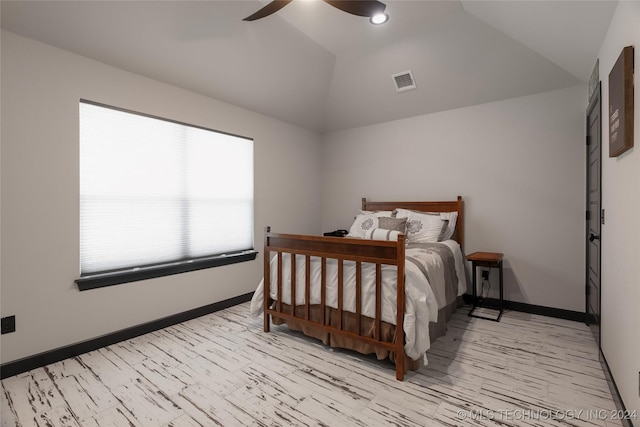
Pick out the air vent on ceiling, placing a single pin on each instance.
(404, 81)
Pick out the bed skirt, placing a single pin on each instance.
(367, 325)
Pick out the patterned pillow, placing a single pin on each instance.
(382, 234)
(389, 223)
(364, 222)
(451, 217)
(422, 227)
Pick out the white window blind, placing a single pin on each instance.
(154, 191)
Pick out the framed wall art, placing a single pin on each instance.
(621, 104)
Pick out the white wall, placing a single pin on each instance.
(41, 86)
(621, 231)
(519, 165)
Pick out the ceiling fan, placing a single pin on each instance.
(373, 9)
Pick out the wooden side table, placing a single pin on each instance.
(491, 260)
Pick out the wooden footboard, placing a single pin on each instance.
(341, 249)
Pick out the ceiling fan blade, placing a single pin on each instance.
(272, 7)
(366, 8)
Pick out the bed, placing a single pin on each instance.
(351, 292)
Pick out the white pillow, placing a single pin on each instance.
(364, 222)
(452, 217)
(422, 227)
(382, 234)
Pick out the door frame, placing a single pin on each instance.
(594, 102)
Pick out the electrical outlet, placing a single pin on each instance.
(485, 274)
(8, 324)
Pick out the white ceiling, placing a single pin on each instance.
(315, 66)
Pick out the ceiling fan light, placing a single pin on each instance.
(379, 18)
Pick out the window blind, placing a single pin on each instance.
(155, 191)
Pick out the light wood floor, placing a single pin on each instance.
(221, 369)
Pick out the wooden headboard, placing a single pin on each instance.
(452, 206)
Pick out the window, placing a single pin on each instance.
(159, 197)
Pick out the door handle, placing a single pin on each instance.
(593, 237)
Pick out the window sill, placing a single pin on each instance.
(101, 280)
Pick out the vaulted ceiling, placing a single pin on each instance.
(317, 67)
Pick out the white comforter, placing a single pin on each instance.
(423, 299)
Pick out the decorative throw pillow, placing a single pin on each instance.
(422, 227)
(364, 222)
(452, 218)
(382, 234)
(389, 223)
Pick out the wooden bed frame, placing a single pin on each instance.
(346, 249)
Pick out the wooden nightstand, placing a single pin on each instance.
(491, 260)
